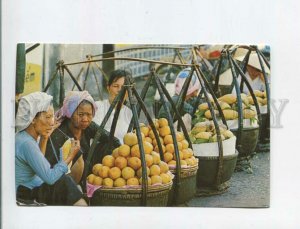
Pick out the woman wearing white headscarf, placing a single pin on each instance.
(35, 180)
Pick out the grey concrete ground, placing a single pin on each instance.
(246, 190)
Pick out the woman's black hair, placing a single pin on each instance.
(117, 74)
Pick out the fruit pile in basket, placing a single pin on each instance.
(186, 154)
(124, 167)
(205, 132)
(229, 107)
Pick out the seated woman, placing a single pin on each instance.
(190, 99)
(75, 117)
(114, 86)
(35, 180)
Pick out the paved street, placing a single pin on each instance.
(246, 190)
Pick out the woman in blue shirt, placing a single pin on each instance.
(35, 180)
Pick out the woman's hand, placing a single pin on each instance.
(75, 147)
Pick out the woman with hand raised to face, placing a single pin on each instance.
(35, 179)
(75, 117)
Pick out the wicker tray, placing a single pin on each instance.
(157, 196)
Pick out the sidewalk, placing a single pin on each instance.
(246, 190)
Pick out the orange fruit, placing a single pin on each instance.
(179, 136)
(155, 142)
(156, 149)
(127, 173)
(148, 139)
(163, 122)
(115, 152)
(114, 173)
(149, 160)
(90, 179)
(108, 182)
(172, 162)
(98, 181)
(163, 167)
(139, 172)
(168, 139)
(154, 170)
(134, 162)
(156, 179)
(170, 148)
(133, 181)
(168, 157)
(156, 157)
(185, 144)
(121, 162)
(124, 150)
(96, 168)
(164, 131)
(148, 179)
(165, 178)
(108, 161)
(119, 182)
(130, 139)
(103, 171)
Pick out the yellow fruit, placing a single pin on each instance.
(227, 134)
(114, 173)
(164, 131)
(145, 130)
(172, 162)
(163, 167)
(151, 134)
(108, 161)
(189, 161)
(248, 113)
(168, 139)
(139, 172)
(264, 101)
(127, 173)
(208, 115)
(258, 93)
(148, 139)
(134, 162)
(115, 152)
(121, 162)
(119, 182)
(195, 161)
(229, 98)
(156, 157)
(90, 179)
(245, 99)
(215, 138)
(180, 155)
(135, 150)
(179, 136)
(230, 114)
(199, 127)
(168, 156)
(96, 168)
(203, 106)
(132, 181)
(203, 135)
(186, 154)
(156, 124)
(170, 148)
(224, 105)
(103, 171)
(163, 122)
(108, 182)
(156, 149)
(165, 178)
(149, 160)
(156, 179)
(148, 179)
(130, 139)
(154, 170)
(183, 162)
(185, 144)
(124, 150)
(179, 145)
(98, 181)
(155, 142)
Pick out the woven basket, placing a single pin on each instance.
(187, 186)
(157, 195)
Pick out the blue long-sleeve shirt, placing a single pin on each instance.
(31, 167)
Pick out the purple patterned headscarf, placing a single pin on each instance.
(71, 102)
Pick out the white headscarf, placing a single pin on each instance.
(29, 106)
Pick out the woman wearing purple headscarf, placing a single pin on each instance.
(75, 117)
